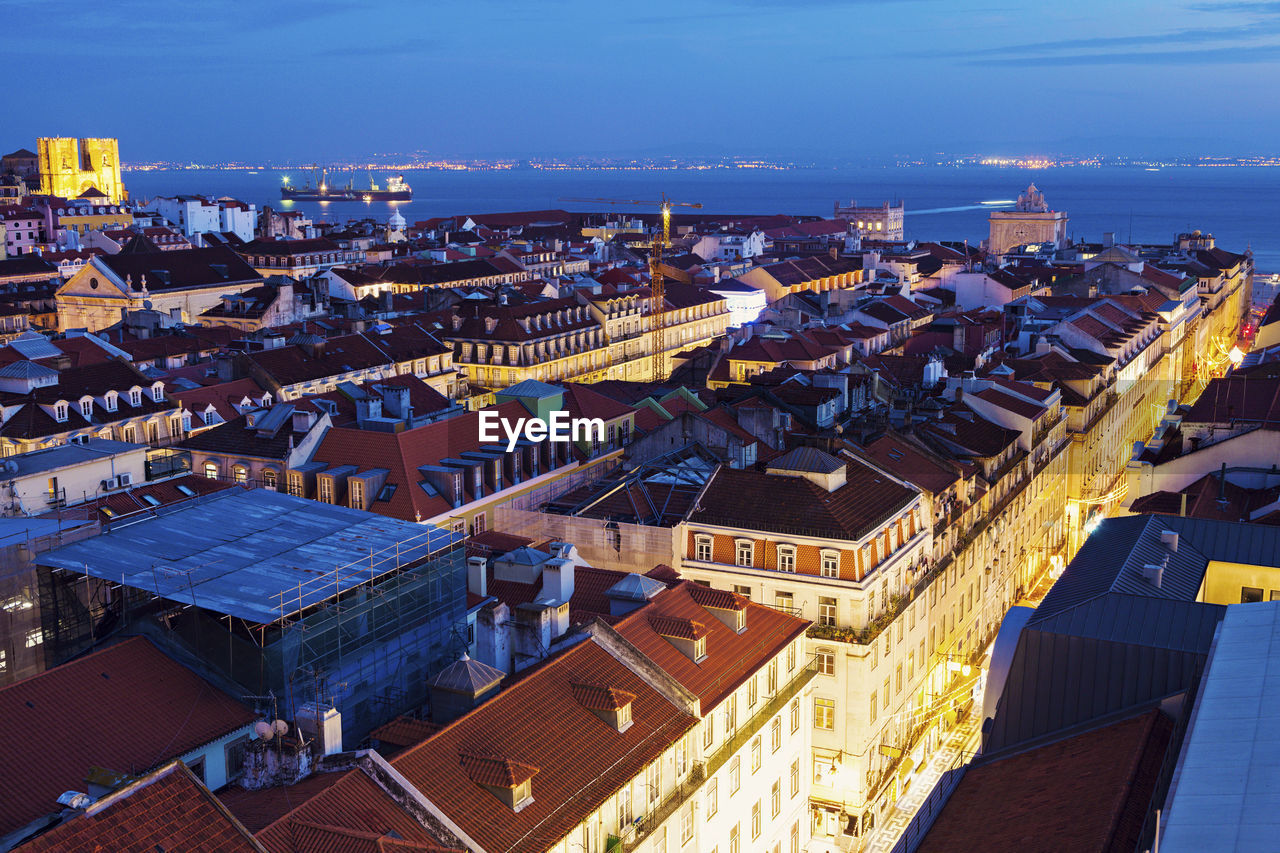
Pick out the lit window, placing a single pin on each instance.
(826, 611)
(211, 470)
(35, 637)
(357, 494)
(826, 662)
(702, 548)
(240, 474)
(824, 714)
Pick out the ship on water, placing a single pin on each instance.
(395, 190)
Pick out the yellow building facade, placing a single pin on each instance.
(69, 167)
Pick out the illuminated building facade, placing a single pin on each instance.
(875, 223)
(1031, 221)
(71, 167)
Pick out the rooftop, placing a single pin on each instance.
(258, 555)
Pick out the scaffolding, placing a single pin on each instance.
(364, 636)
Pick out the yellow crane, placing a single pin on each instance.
(657, 287)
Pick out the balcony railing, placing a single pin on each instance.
(757, 721)
(635, 835)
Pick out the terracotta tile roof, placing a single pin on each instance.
(127, 708)
(140, 498)
(906, 460)
(168, 810)
(1085, 794)
(1239, 398)
(528, 723)
(775, 503)
(598, 697)
(580, 401)
(1011, 403)
(731, 657)
(720, 599)
(260, 808)
(680, 629)
(496, 771)
(353, 803)
(181, 269)
(404, 731)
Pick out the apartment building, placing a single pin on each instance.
(681, 727)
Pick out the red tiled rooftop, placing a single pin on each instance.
(598, 697)
(496, 771)
(126, 708)
(168, 811)
(680, 629)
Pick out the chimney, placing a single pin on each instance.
(1153, 572)
(477, 578)
(322, 724)
(557, 579)
(1170, 538)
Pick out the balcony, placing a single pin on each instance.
(55, 497)
(636, 834)
(756, 722)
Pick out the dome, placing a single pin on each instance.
(396, 221)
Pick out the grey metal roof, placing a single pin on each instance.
(1112, 559)
(635, 587)
(1113, 652)
(468, 676)
(807, 459)
(35, 345)
(1225, 795)
(531, 388)
(258, 555)
(28, 369)
(64, 455)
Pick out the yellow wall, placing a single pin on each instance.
(1223, 582)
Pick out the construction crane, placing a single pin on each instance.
(657, 331)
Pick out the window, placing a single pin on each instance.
(791, 658)
(708, 731)
(86, 408)
(824, 714)
(686, 823)
(753, 691)
(795, 777)
(775, 799)
(735, 775)
(34, 637)
(775, 734)
(826, 662)
(357, 494)
(731, 714)
(873, 706)
(624, 806)
(830, 564)
(326, 489)
(795, 837)
(735, 840)
(744, 552)
(795, 715)
(897, 680)
(771, 678)
(211, 470)
(269, 479)
(135, 397)
(826, 611)
(660, 840)
(713, 798)
(60, 412)
(884, 694)
(240, 474)
(702, 548)
(742, 590)
(786, 558)
(755, 820)
(196, 766)
(1250, 594)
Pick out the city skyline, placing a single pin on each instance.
(492, 79)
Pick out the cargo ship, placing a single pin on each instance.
(395, 190)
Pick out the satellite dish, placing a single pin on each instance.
(263, 730)
(281, 727)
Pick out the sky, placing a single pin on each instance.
(810, 80)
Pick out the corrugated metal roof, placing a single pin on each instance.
(257, 555)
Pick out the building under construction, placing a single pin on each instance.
(292, 600)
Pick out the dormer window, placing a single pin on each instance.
(786, 558)
(610, 704)
(157, 392)
(86, 407)
(687, 635)
(135, 397)
(702, 547)
(60, 412)
(112, 399)
(830, 567)
(744, 552)
(509, 781)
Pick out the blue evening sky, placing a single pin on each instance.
(813, 79)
